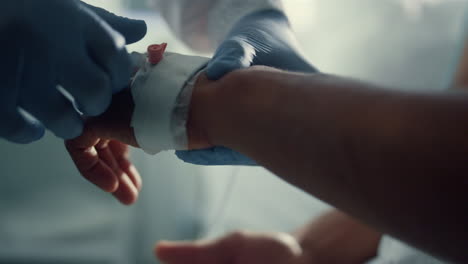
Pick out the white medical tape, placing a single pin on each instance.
(157, 93)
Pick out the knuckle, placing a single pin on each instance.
(118, 40)
(111, 39)
(109, 42)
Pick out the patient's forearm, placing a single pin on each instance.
(397, 160)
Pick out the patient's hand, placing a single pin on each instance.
(332, 238)
(236, 248)
(101, 154)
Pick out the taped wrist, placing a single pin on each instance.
(162, 95)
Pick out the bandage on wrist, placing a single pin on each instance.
(162, 92)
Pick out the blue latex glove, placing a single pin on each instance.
(59, 42)
(263, 38)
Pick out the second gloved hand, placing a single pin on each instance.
(59, 42)
(263, 38)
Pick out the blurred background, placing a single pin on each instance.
(49, 214)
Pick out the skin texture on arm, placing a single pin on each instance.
(396, 160)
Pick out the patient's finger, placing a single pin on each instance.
(122, 154)
(127, 193)
(107, 156)
(86, 158)
(199, 252)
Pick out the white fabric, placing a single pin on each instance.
(394, 251)
(202, 24)
(156, 92)
(180, 113)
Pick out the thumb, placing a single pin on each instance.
(200, 252)
(132, 29)
(233, 54)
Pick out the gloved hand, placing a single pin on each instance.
(262, 38)
(59, 42)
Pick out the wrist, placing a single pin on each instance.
(233, 110)
(200, 113)
(161, 93)
(211, 109)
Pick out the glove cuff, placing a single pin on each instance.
(162, 95)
